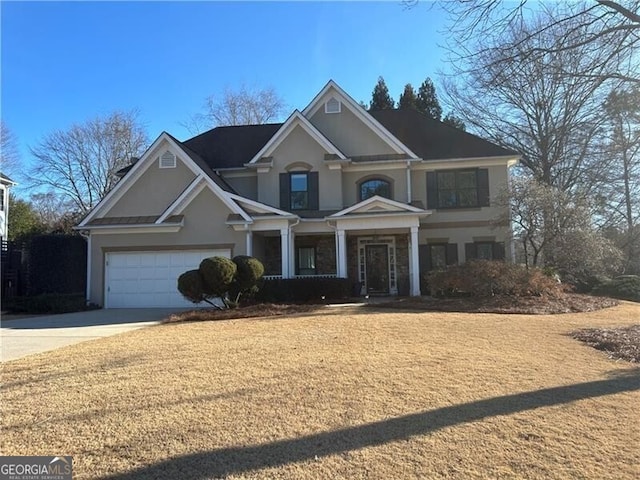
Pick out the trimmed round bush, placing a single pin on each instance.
(217, 274)
(624, 287)
(250, 270)
(191, 286)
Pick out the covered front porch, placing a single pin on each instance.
(378, 262)
(374, 243)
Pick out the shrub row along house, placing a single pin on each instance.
(378, 197)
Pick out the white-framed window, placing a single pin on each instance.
(1, 199)
(167, 160)
(332, 106)
(299, 190)
(306, 261)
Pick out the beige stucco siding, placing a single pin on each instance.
(153, 192)
(204, 228)
(246, 186)
(397, 177)
(300, 148)
(349, 133)
(463, 235)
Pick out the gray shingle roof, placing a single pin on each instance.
(434, 140)
(232, 147)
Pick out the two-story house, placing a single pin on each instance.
(376, 197)
(5, 184)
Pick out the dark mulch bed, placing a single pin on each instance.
(566, 303)
(249, 311)
(618, 343)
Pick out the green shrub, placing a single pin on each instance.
(217, 275)
(624, 287)
(249, 272)
(483, 278)
(191, 286)
(304, 289)
(47, 304)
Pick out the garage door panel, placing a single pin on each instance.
(150, 279)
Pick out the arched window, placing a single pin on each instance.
(375, 186)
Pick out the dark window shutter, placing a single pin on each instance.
(424, 255)
(483, 187)
(470, 251)
(452, 253)
(313, 191)
(285, 192)
(432, 190)
(498, 251)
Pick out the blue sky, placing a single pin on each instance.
(64, 63)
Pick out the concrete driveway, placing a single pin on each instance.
(28, 335)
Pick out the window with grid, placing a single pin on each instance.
(457, 189)
(299, 188)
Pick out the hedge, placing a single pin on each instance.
(47, 304)
(57, 264)
(304, 289)
(624, 287)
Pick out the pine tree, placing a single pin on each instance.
(408, 98)
(454, 121)
(380, 98)
(427, 100)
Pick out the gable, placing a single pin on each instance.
(333, 101)
(377, 205)
(298, 146)
(348, 132)
(156, 188)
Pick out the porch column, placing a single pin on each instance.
(284, 251)
(415, 263)
(292, 255)
(341, 254)
(249, 240)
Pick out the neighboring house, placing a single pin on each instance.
(334, 191)
(5, 184)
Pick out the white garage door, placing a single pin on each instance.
(150, 279)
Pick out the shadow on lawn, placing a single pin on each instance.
(228, 461)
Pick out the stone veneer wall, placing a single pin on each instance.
(272, 260)
(325, 246)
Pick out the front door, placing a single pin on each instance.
(377, 268)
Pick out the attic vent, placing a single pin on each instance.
(167, 160)
(332, 106)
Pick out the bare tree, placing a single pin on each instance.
(620, 192)
(244, 106)
(55, 211)
(598, 22)
(81, 163)
(554, 119)
(9, 154)
(554, 229)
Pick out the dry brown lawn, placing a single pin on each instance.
(344, 394)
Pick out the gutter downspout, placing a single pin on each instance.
(409, 195)
(87, 237)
